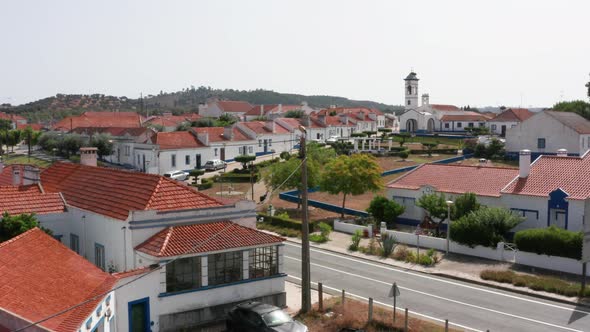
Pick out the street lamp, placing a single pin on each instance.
(449, 203)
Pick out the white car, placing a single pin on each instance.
(176, 175)
(332, 139)
(213, 165)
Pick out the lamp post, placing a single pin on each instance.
(449, 203)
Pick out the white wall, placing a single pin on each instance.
(165, 158)
(351, 228)
(499, 125)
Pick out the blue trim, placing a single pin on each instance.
(525, 211)
(98, 310)
(97, 324)
(147, 307)
(88, 322)
(204, 288)
(58, 237)
(557, 201)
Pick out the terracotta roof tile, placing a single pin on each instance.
(445, 108)
(273, 108)
(464, 117)
(350, 110)
(131, 273)
(549, 173)
(41, 277)
(457, 179)
(259, 127)
(100, 119)
(34, 126)
(234, 106)
(113, 131)
(216, 236)
(176, 140)
(513, 115)
(29, 199)
(115, 193)
(216, 134)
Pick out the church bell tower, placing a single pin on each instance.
(411, 91)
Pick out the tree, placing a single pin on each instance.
(5, 124)
(69, 144)
(383, 209)
(435, 206)
(351, 175)
(464, 204)
(225, 120)
(495, 150)
(578, 106)
(287, 175)
(245, 159)
(13, 138)
(31, 137)
(104, 145)
(486, 226)
(429, 147)
(206, 122)
(295, 114)
(11, 226)
(403, 138)
(319, 153)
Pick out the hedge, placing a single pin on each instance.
(205, 184)
(236, 177)
(552, 241)
(285, 222)
(439, 151)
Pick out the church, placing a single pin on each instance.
(434, 118)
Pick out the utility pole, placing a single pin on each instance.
(305, 261)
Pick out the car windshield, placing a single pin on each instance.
(167, 175)
(275, 318)
(209, 163)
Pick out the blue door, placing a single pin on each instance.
(139, 315)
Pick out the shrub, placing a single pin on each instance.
(245, 159)
(464, 204)
(279, 230)
(284, 222)
(355, 240)
(238, 177)
(285, 155)
(383, 209)
(325, 229)
(205, 184)
(196, 173)
(372, 249)
(403, 154)
(486, 227)
(551, 241)
(358, 135)
(387, 243)
(317, 238)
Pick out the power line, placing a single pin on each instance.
(143, 275)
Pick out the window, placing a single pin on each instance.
(225, 268)
(183, 274)
(409, 102)
(187, 160)
(263, 262)
(447, 125)
(240, 150)
(99, 256)
(173, 160)
(127, 150)
(540, 143)
(58, 237)
(494, 127)
(270, 142)
(459, 124)
(481, 124)
(259, 143)
(470, 124)
(250, 149)
(215, 151)
(75, 243)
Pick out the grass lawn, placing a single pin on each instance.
(21, 159)
(423, 139)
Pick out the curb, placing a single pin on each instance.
(448, 276)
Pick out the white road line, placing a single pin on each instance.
(399, 309)
(442, 298)
(447, 281)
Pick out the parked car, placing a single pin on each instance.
(214, 164)
(261, 317)
(332, 139)
(176, 175)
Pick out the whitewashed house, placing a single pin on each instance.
(216, 108)
(271, 136)
(549, 191)
(43, 277)
(548, 131)
(508, 119)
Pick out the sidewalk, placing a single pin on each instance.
(459, 267)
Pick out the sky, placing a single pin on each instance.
(478, 53)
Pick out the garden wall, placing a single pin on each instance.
(343, 227)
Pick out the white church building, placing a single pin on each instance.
(429, 118)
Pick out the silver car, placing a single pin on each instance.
(176, 175)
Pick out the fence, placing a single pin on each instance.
(351, 228)
(500, 253)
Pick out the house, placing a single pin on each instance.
(196, 255)
(216, 108)
(549, 191)
(169, 122)
(99, 119)
(41, 277)
(548, 131)
(321, 127)
(178, 150)
(269, 112)
(508, 119)
(366, 119)
(16, 120)
(272, 136)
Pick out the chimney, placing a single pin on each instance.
(306, 121)
(344, 118)
(425, 99)
(562, 153)
(261, 110)
(280, 108)
(270, 125)
(332, 106)
(322, 119)
(203, 138)
(228, 133)
(524, 164)
(88, 156)
(16, 175)
(31, 175)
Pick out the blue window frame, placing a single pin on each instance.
(58, 237)
(99, 259)
(75, 243)
(139, 315)
(540, 143)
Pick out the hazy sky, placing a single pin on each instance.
(465, 52)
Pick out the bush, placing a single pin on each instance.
(238, 177)
(552, 241)
(372, 249)
(486, 227)
(317, 238)
(355, 240)
(279, 230)
(285, 222)
(245, 159)
(325, 229)
(383, 209)
(196, 172)
(388, 244)
(205, 184)
(285, 155)
(403, 154)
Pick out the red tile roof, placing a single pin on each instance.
(199, 238)
(172, 120)
(274, 108)
(513, 115)
(11, 117)
(549, 173)
(457, 179)
(216, 134)
(572, 120)
(34, 126)
(445, 108)
(100, 119)
(234, 106)
(259, 127)
(113, 131)
(40, 277)
(29, 199)
(177, 140)
(350, 110)
(115, 193)
(131, 273)
(471, 116)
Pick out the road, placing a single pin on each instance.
(467, 306)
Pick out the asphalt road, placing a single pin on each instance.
(467, 306)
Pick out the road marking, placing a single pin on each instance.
(391, 306)
(446, 281)
(442, 298)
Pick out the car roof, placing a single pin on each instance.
(258, 307)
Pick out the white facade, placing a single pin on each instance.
(544, 134)
(499, 127)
